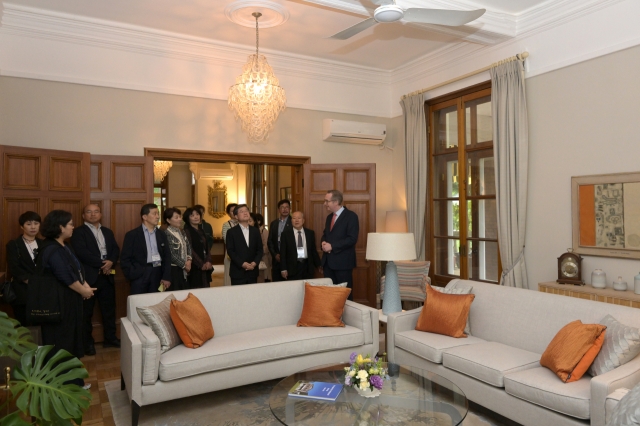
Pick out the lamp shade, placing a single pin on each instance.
(390, 246)
(396, 221)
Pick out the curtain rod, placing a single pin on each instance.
(519, 57)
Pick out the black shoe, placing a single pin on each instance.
(90, 349)
(115, 343)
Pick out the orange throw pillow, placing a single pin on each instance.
(445, 313)
(587, 359)
(569, 346)
(323, 306)
(192, 321)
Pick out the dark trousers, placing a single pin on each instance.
(106, 297)
(20, 314)
(241, 281)
(303, 272)
(275, 271)
(339, 276)
(148, 282)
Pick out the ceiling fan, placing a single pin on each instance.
(388, 11)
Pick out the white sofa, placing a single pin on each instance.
(256, 339)
(498, 367)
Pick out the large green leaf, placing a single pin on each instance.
(14, 419)
(40, 388)
(14, 340)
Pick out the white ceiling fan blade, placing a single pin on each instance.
(453, 18)
(382, 2)
(351, 31)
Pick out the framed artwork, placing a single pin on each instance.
(605, 213)
(217, 199)
(285, 193)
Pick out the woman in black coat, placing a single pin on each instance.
(56, 259)
(21, 255)
(201, 267)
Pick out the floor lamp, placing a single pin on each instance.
(391, 247)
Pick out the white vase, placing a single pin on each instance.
(619, 284)
(598, 279)
(368, 393)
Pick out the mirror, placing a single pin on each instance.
(217, 199)
(606, 215)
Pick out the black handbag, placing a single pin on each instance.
(44, 301)
(8, 294)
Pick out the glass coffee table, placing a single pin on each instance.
(410, 396)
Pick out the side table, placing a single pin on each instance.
(606, 295)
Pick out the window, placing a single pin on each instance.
(464, 235)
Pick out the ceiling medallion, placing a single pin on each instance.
(273, 14)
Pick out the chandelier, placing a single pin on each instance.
(160, 170)
(257, 98)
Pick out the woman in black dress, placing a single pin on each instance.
(179, 247)
(21, 255)
(57, 259)
(201, 267)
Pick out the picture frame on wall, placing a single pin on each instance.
(605, 215)
(285, 193)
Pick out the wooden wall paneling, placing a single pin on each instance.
(96, 176)
(21, 171)
(65, 174)
(72, 205)
(357, 182)
(128, 177)
(297, 184)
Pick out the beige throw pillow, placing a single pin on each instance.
(158, 318)
(325, 284)
(621, 345)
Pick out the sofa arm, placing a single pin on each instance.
(131, 360)
(364, 318)
(397, 323)
(151, 351)
(625, 376)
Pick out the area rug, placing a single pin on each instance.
(241, 406)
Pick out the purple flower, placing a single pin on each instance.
(353, 356)
(376, 381)
(347, 380)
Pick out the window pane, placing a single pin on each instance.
(483, 260)
(478, 123)
(156, 190)
(483, 220)
(446, 176)
(446, 130)
(446, 218)
(447, 258)
(480, 171)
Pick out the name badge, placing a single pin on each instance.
(301, 253)
(156, 260)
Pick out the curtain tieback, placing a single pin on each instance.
(508, 271)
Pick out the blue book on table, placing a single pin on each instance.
(316, 390)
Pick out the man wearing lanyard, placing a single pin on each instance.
(146, 258)
(298, 255)
(275, 231)
(96, 248)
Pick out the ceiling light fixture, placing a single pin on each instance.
(257, 98)
(160, 170)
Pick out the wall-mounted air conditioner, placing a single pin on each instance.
(215, 174)
(353, 132)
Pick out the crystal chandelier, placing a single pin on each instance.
(257, 98)
(160, 170)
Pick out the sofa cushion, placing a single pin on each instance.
(489, 361)
(158, 317)
(192, 321)
(621, 345)
(430, 346)
(323, 306)
(445, 313)
(151, 350)
(627, 412)
(255, 346)
(541, 386)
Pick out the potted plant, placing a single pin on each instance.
(38, 387)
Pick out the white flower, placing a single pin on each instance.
(352, 373)
(362, 375)
(364, 385)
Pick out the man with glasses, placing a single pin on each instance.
(97, 249)
(339, 241)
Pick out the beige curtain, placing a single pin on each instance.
(250, 177)
(511, 151)
(415, 135)
(273, 193)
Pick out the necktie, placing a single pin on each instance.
(333, 221)
(300, 239)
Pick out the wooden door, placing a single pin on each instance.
(357, 182)
(120, 185)
(297, 190)
(39, 180)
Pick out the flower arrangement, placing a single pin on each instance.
(365, 373)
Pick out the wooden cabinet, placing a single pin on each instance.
(606, 295)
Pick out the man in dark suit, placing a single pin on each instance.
(275, 231)
(339, 241)
(298, 255)
(244, 247)
(146, 258)
(98, 251)
(21, 255)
